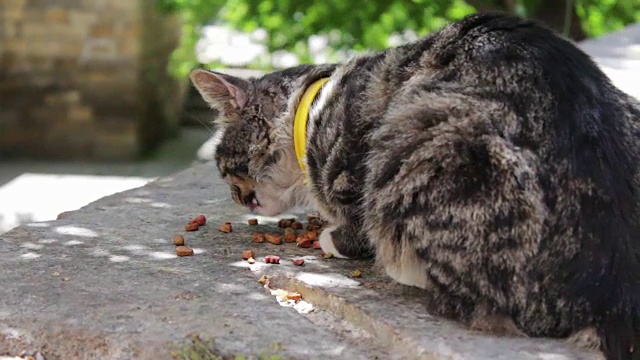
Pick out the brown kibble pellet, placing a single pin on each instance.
(247, 254)
(274, 239)
(252, 222)
(263, 280)
(356, 273)
(297, 225)
(258, 238)
(305, 243)
(178, 240)
(184, 251)
(298, 262)
(226, 228)
(315, 221)
(285, 223)
(289, 235)
(191, 227)
(200, 220)
(311, 235)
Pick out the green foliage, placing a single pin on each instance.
(362, 24)
(602, 16)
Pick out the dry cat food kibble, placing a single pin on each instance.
(247, 254)
(314, 222)
(289, 235)
(274, 239)
(184, 251)
(226, 228)
(313, 227)
(252, 222)
(356, 273)
(295, 296)
(200, 220)
(178, 240)
(305, 243)
(258, 238)
(191, 227)
(298, 262)
(272, 259)
(312, 235)
(285, 223)
(263, 280)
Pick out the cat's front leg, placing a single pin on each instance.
(346, 241)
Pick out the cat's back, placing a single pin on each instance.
(544, 93)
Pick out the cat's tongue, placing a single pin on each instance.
(253, 205)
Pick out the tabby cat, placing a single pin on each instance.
(491, 163)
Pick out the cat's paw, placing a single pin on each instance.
(327, 245)
(586, 338)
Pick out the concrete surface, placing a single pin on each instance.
(618, 54)
(104, 283)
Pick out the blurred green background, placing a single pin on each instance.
(375, 24)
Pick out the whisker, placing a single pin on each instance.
(202, 122)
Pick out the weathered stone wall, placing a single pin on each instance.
(85, 78)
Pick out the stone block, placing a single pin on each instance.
(83, 18)
(116, 145)
(63, 98)
(51, 4)
(46, 32)
(48, 115)
(16, 14)
(79, 113)
(68, 65)
(102, 49)
(56, 15)
(8, 30)
(15, 46)
(9, 119)
(66, 140)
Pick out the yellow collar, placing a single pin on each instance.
(300, 123)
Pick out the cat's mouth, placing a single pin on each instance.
(254, 203)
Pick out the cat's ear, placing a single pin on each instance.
(225, 93)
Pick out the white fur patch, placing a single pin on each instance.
(326, 243)
(409, 272)
(325, 94)
(207, 151)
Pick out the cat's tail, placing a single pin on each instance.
(619, 334)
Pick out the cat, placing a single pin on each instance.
(491, 163)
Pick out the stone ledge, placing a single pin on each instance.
(103, 283)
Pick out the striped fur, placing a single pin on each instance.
(490, 163)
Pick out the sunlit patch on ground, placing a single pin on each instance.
(327, 280)
(31, 198)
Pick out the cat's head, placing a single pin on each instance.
(254, 153)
